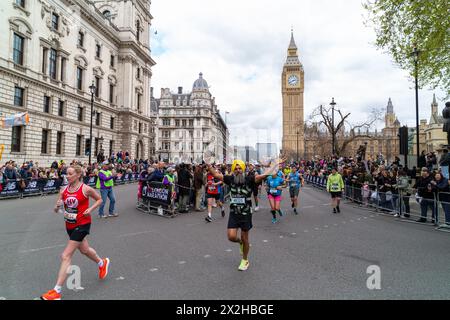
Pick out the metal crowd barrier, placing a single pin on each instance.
(402, 204)
(21, 188)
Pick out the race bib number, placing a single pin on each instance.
(334, 187)
(237, 200)
(212, 188)
(70, 217)
(273, 191)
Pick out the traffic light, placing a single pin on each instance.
(403, 135)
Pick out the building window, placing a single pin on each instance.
(87, 147)
(138, 73)
(52, 70)
(20, 3)
(140, 128)
(81, 39)
(44, 60)
(111, 146)
(16, 138)
(18, 49)
(78, 145)
(55, 21)
(112, 61)
(166, 122)
(139, 102)
(18, 96)
(47, 104)
(166, 134)
(138, 30)
(44, 142)
(183, 123)
(107, 14)
(191, 123)
(61, 108)
(177, 123)
(96, 141)
(111, 124)
(80, 113)
(79, 78)
(98, 49)
(166, 145)
(97, 87)
(59, 142)
(111, 93)
(97, 118)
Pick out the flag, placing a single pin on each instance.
(2, 147)
(19, 119)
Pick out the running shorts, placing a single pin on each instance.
(240, 221)
(294, 191)
(79, 233)
(214, 196)
(336, 194)
(276, 198)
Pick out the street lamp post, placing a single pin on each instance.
(298, 132)
(415, 54)
(333, 134)
(92, 90)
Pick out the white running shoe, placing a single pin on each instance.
(256, 208)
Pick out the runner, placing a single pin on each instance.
(213, 194)
(252, 173)
(274, 189)
(335, 185)
(240, 205)
(74, 198)
(295, 182)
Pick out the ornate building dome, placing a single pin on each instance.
(200, 83)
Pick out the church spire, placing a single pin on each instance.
(390, 107)
(292, 45)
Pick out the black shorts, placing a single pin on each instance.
(255, 192)
(79, 233)
(336, 194)
(294, 191)
(213, 196)
(240, 221)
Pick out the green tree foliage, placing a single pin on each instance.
(401, 24)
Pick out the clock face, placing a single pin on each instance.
(293, 80)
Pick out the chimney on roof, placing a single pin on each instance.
(180, 90)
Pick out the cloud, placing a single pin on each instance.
(241, 46)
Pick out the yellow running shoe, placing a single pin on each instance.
(244, 265)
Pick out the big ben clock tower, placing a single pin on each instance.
(292, 87)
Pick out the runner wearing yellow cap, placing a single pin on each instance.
(240, 204)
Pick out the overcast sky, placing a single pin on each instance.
(241, 46)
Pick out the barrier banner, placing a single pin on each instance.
(119, 180)
(52, 185)
(90, 181)
(33, 186)
(157, 193)
(10, 189)
(126, 178)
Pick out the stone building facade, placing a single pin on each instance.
(385, 142)
(52, 52)
(190, 125)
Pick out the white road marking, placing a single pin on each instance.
(228, 250)
(134, 234)
(281, 237)
(316, 229)
(153, 269)
(326, 226)
(206, 256)
(181, 262)
(265, 241)
(293, 233)
(120, 278)
(365, 217)
(44, 248)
